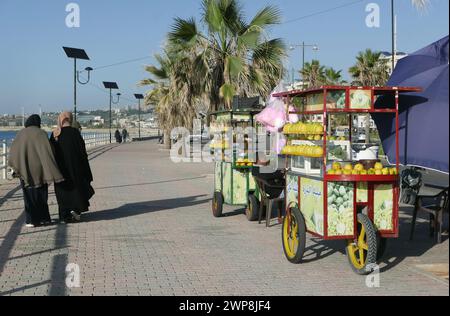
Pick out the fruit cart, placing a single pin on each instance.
(234, 184)
(332, 192)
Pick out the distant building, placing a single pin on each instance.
(360, 122)
(297, 85)
(387, 57)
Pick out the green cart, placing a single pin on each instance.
(234, 184)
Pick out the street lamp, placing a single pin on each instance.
(111, 86)
(314, 47)
(139, 97)
(77, 53)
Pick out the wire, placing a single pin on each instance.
(120, 63)
(103, 90)
(324, 11)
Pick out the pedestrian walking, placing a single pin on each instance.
(118, 137)
(74, 193)
(33, 161)
(124, 135)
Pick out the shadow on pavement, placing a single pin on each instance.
(60, 261)
(397, 249)
(149, 183)
(135, 209)
(400, 249)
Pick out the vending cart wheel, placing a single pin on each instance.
(382, 245)
(252, 210)
(362, 254)
(294, 236)
(217, 204)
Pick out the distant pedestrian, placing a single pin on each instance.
(74, 193)
(118, 137)
(124, 135)
(33, 161)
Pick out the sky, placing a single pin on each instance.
(34, 71)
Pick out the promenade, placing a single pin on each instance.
(151, 232)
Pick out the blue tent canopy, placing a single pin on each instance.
(424, 116)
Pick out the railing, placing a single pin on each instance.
(96, 139)
(4, 159)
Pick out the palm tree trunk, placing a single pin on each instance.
(167, 141)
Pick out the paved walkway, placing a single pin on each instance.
(151, 232)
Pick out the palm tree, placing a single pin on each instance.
(370, 69)
(313, 74)
(333, 77)
(230, 55)
(171, 92)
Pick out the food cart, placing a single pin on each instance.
(234, 184)
(333, 192)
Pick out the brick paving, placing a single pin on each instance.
(151, 232)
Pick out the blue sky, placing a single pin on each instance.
(35, 71)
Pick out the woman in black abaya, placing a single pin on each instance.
(74, 193)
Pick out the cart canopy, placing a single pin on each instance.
(424, 116)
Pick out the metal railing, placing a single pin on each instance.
(4, 159)
(95, 139)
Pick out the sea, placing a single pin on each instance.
(7, 135)
(10, 135)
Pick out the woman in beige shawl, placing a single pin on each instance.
(74, 193)
(32, 160)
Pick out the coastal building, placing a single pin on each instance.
(387, 58)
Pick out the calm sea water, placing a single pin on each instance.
(10, 135)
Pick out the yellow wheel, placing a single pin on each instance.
(252, 210)
(362, 253)
(294, 236)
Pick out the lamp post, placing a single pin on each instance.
(75, 54)
(139, 97)
(303, 46)
(393, 33)
(111, 86)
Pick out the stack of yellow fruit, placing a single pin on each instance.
(359, 169)
(303, 151)
(219, 145)
(303, 128)
(244, 163)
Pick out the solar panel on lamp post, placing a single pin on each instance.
(139, 97)
(111, 86)
(75, 54)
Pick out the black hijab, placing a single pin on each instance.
(33, 120)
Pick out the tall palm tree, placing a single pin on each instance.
(231, 56)
(333, 77)
(370, 69)
(170, 92)
(313, 74)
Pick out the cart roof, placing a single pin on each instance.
(377, 90)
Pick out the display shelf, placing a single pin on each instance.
(362, 178)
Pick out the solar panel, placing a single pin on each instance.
(76, 53)
(110, 85)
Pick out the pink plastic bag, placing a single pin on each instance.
(274, 116)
